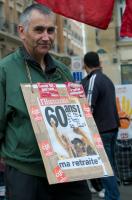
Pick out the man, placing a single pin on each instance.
(31, 63)
(100, 94)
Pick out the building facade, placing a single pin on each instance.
(69, 36)
(114, 51)
(124, 47)
(9, 14)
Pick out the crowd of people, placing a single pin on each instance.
(25, 177)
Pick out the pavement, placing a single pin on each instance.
(125, 191)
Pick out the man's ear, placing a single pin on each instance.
(21, 32)
(83, 67)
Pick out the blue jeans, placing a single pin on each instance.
(110, 183)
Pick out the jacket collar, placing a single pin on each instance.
(94, 72)
(49, 61)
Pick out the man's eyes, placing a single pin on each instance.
(41, 29)
(50, 30)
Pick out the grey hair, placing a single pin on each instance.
(25, 16)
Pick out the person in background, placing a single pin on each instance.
(100, 93)
(96, 186)
(31, 63)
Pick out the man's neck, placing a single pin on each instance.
(38, 58)
(90, 70)
(95, 68)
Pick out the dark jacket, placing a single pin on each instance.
(19, 147)
(100, 93)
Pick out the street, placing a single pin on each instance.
(126, 193)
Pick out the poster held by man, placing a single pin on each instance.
(66, 133)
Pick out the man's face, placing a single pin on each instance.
(80, 149)
(39, 36)
(85, 67)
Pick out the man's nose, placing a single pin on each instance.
(45, 35)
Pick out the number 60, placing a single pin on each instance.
(58, 115)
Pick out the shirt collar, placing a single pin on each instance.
(49, 61)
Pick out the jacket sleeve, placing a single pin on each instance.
(2, 104)
(92, 92)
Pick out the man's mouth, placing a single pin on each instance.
(41, 44)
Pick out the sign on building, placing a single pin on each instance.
(76, 67)
(77, 76)
(76, 63)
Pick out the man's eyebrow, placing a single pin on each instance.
(39, 27)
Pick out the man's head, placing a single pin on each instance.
(91, 61)
(37, 29)
(79, 146)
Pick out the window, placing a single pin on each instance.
(65, 22)
(120, 5)
(120, 9)
(1, 15)
(97, 36)
(126, 74)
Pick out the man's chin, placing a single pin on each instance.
(43, 51)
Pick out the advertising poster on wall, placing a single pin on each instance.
(123, 151)
(124, 106)
(67, 136)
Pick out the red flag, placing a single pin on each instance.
(96, 13)
(126, 27)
